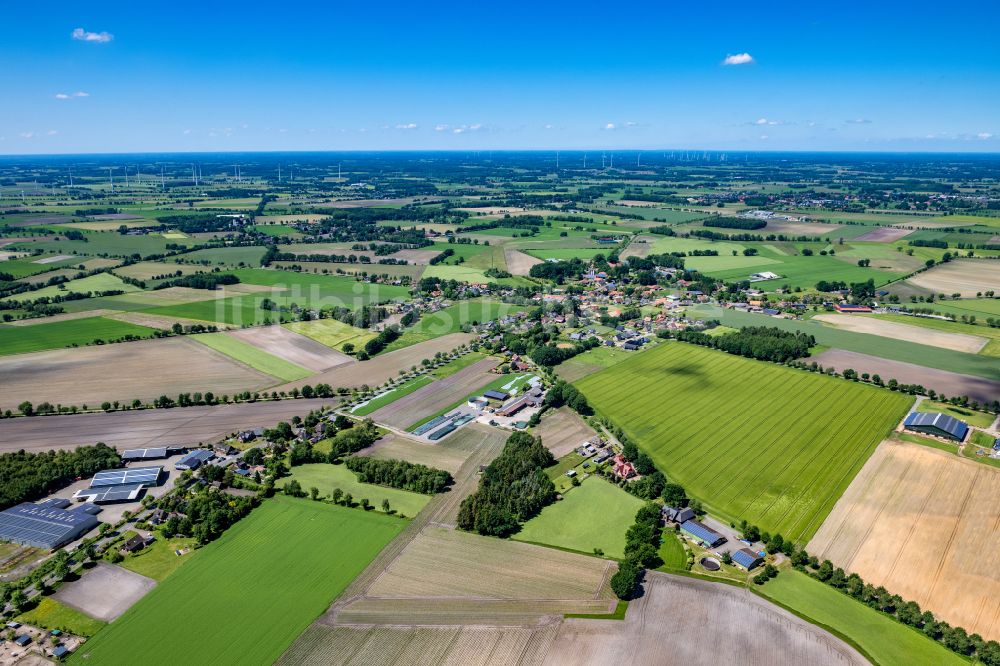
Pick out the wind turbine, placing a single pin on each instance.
(111, 178)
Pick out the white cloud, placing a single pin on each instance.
(441, 128)
(984, 135)
(96, 37)
(548, 126)
(610, 126)
(738, 59)
(75, 95)
(630, 123)
(858, 121)
(187, 131)
(476, 126)
(52, 132)
(407, 126)
(768, 121)
(764, 137)
(26, 135)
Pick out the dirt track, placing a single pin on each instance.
(923, 523)
(148, 427)
(942, 381)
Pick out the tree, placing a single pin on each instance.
(674, 495)
(624, 581)
(385, 506)
(337, 495)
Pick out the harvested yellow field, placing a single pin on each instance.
(519, 263)
(923, 523)
(562, 431)
(448, 563)
(967, 277)
(962, 342)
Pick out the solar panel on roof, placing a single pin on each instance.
(112, 493)
(119, 477)
(42, 526)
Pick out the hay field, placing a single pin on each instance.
(145, 270)
(144, 369)
(399, 646)
(944, 382)
(331, 333)
(436, 396)
(923, 523)
(377, 370)
(92, 283)
(961, 276)
(519, 263)
(322, 545)
(149, 427)
(284, 343)
(750, 439)
(688, 621)
(970, 344)
(443, 563)
(799, 228)
(562, 430)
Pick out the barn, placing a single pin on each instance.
(47, 524)
(936, 424)
(703, 533)
(747, 558)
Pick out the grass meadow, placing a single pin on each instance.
(882, 639)
(595, 514)
(326, 477)
(50, 614)
(58, 334)
(752, 440)
(256, 358)
(332, 333)
(281, 567)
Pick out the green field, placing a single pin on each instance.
(752, 440)
(92, 283)
(25, 266)
(326, 477)
(256, 358)
(595, 514)
(332, 333)
(451, 319)
(57, 334)
(225, 256)
(972, 417)
(884, 640)
(672, 552)
(451, 367)
(875, 345)
(50, 614)
(323, 289)
(158, 560)
(397, 392)
(279, 568)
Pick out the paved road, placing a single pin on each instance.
(180, 426)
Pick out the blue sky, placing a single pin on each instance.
(181, 76)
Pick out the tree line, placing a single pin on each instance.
(763, 343)
(399, 474)
(29, 476)
(512, 489)
(642, 543)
